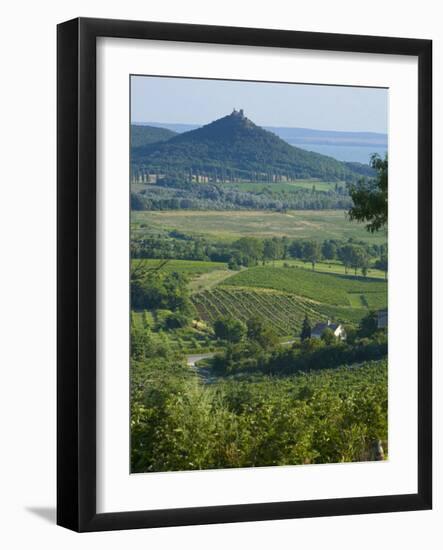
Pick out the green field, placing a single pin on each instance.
(327, 288)
(328, 267)
(231, 225)
(208, 280)
(189, 267)
(286, 187)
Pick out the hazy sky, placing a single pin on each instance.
(186, 100)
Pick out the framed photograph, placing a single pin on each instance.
(244, 303)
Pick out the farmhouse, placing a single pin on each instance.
(337, 329)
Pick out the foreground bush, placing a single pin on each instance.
(177, 423)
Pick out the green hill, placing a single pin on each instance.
(145, 135)
(234, 147)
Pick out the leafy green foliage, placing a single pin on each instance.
(250, 250)
(382, 264)
(181, 194)
(368, 325)
(153, 289)
(306, 329)
(328, 336)
(322, 417)
(311, 252)
(229, 329)
(329, 249)
(262, 333)
(371, 197)
(311, 354)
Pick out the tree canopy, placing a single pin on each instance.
(370, 197)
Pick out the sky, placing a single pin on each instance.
(200, 101)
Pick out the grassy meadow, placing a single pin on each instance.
(188, 267)
(231, 225)
(328, 267)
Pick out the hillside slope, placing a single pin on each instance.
(233, 147)
(142, 135)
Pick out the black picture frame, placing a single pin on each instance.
(76, 249)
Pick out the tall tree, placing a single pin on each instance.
(269, 250)
(227, 328)
(305, 333)
(329, 250)
(311, 252)
(251, 249)
(382, 264)
(296, 249)
(359, 258)
(260, 332)
(328, 336)
(368, 325)
(345, 253)
(370, 197)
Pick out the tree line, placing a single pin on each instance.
(254, 347)
(252, 251)
(171, 194)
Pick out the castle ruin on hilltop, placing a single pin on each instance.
(240, 113)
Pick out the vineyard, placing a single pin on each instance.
(284, 311)
(327, 288)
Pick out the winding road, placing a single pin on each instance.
(191, 360)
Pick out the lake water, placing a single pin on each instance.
(354, 153)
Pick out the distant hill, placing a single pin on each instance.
(144, 135)
(233, 147)
(341, 145)
(176, 127)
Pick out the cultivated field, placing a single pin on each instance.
(231, 225)
(284, 311)
(327, 288)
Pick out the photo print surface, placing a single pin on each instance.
(259, 274)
